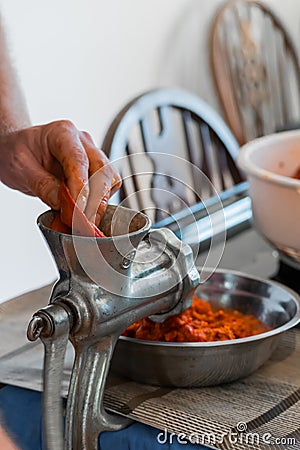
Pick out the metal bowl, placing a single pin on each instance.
(194, 364)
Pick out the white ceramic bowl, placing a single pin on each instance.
(269, 164)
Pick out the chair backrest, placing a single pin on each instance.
(163, 138)
(255, 68)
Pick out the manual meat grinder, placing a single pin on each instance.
(104, 286)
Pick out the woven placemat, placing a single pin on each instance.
(253, 413)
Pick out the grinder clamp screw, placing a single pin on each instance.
(35, 328)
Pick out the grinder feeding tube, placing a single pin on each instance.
(105, 284)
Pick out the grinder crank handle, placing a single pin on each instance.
(52, 325)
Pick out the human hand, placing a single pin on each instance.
(5, 441)
(36, 160)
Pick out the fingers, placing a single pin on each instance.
(65, 145)
(109, 191)
(99, 195)
(42, 184)
(116, 184)
(81, 159)
(104, 180)
(24, 166)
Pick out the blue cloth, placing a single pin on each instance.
(142, 437)
(22, 416)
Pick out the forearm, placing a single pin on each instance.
(13, 111)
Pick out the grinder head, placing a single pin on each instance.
(104, 261)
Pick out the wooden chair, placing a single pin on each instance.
(255, 68)
(159, 142)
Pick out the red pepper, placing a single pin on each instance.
(63, 221)
(199, 323)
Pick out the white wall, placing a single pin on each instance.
(83, 60)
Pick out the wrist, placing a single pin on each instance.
(8, 126)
